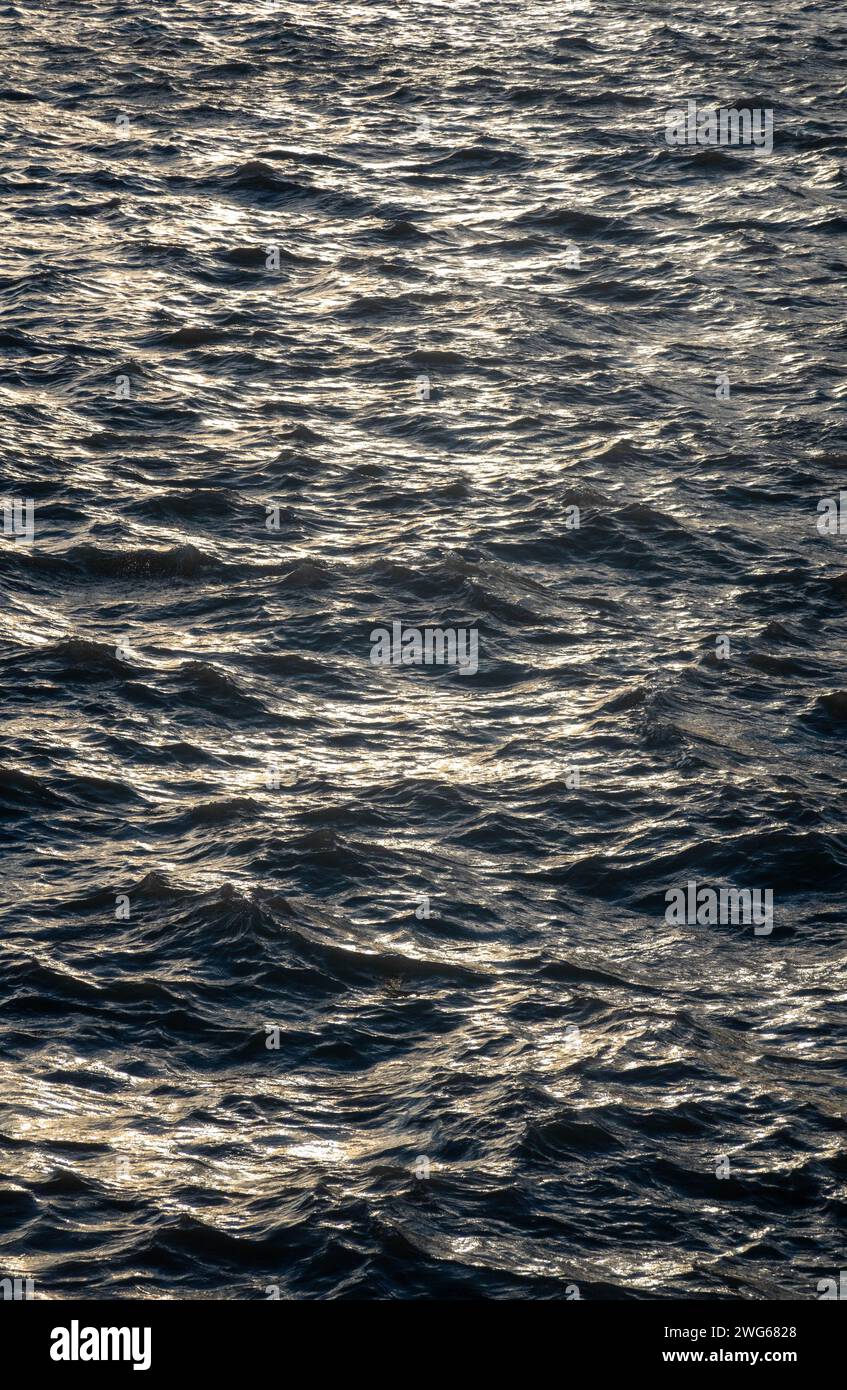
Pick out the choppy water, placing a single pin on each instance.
(572, 1070)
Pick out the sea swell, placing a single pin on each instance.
(355, 980)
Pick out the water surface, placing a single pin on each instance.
(498, 296)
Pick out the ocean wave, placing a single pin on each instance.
(358, 981)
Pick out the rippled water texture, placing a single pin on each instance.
(500, 296)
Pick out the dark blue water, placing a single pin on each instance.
(499, 295)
